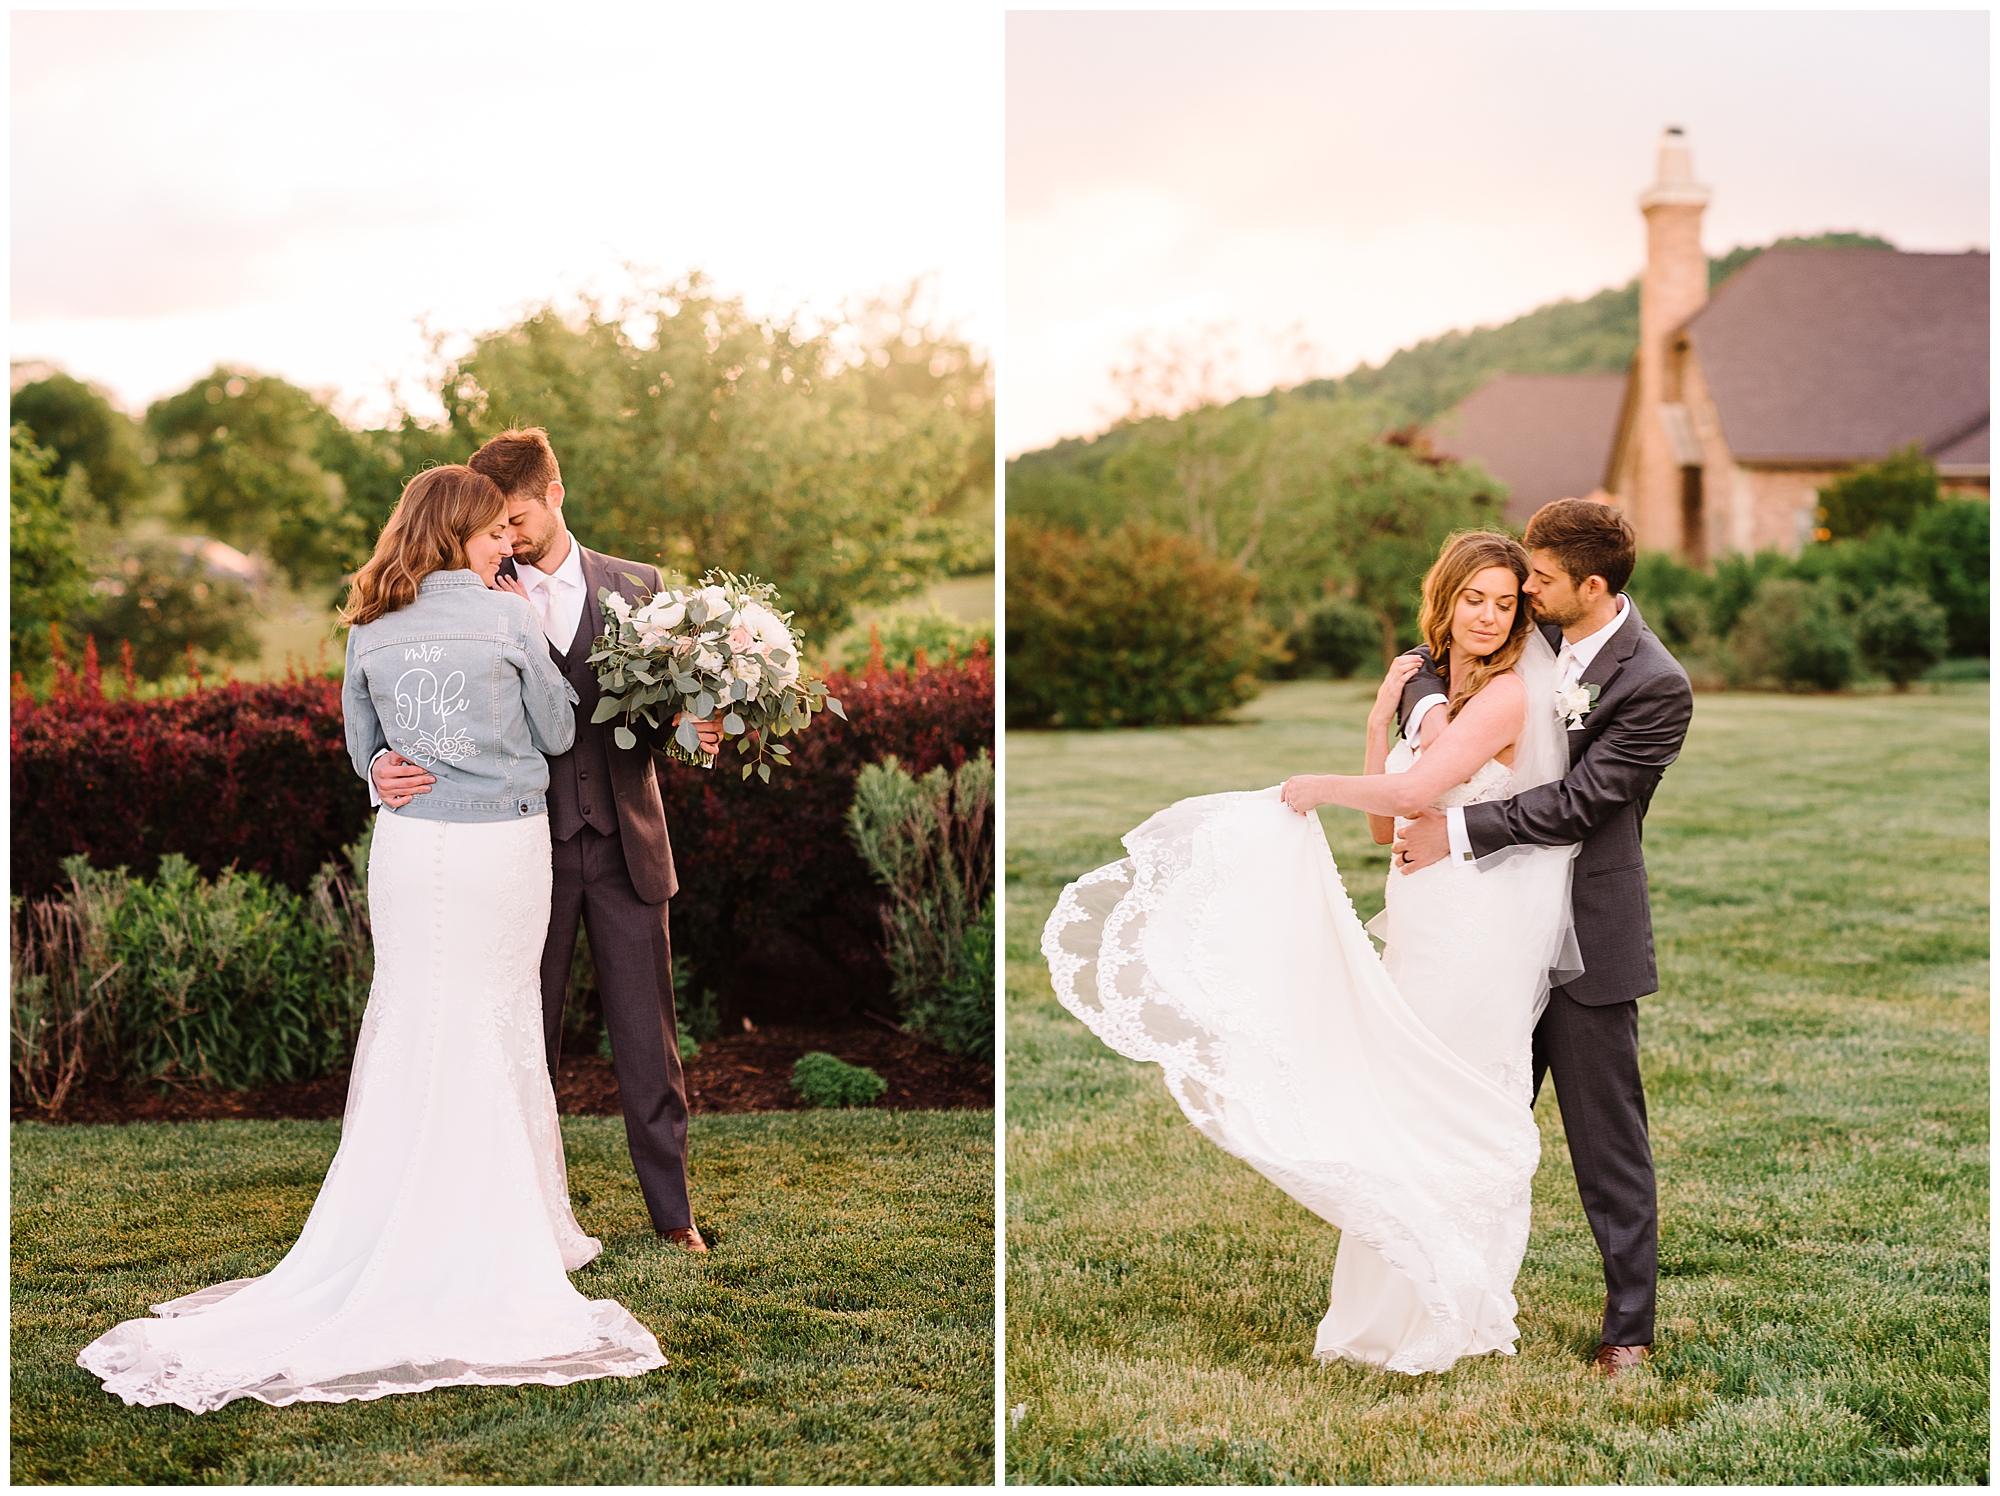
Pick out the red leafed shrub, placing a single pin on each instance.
(255, 775)
(776, 910)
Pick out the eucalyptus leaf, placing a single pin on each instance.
(625, 737)
(687, 737)
(764, 772)
(704, 705)
(733, 725)
(833, 704)
(746, 770)
(607, 708)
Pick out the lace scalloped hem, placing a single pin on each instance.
(131, 1370)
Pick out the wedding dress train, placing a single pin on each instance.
(438, 1250)
(1388, 1095)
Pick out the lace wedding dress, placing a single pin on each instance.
(1388, 1095)
(438, 1250)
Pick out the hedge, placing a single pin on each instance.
(254, 776)
(1139, 627)
(776, 910)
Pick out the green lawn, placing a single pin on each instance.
(1816, 1065)
(840, 1332)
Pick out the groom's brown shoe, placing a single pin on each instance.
(1614, 1360)
(688, 1238)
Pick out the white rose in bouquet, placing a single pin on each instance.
(721, 648)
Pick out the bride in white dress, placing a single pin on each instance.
(438, 1250)
(1389, 1095)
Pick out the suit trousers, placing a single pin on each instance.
(634, 959)
(1593, 1052)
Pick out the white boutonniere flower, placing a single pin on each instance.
(1574, 704)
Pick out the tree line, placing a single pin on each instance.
(849, 463)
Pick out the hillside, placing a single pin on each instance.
(1419, 383)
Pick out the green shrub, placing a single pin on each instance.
(929, 841)
(934, 635)
(1794, 635)
(959, 1015)
(161, 598)
(1134, 628)
(823, 1080)
(1902, 633)
(1342, 636)
(1889, 494)
(1953, 547)
(177, 980)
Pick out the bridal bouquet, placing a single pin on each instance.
(720, 644)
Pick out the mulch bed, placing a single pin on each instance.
(743, 1072)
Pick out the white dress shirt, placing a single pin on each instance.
(1571, 661)
(557, 596)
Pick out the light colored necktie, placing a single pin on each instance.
(545, 604)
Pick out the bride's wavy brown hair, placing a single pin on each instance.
(441, 508)
(1464, 556)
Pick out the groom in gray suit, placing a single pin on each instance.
(1626, 703)
(613, 863)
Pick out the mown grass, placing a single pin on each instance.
(841, 1331)
(1816, 1065)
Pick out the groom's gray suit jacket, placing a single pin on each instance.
(1616, 759)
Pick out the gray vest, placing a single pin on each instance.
(580, 780)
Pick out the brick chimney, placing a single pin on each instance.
(1673, 289)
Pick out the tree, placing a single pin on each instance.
(712, 437)
(47, 576)
(911, 362)
(85, 432)
(1890, 494)
(161, 597)
(1365, 520)
(251, 455)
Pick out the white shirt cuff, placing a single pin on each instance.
(1416, 719)
(374, 795)
(1454, 827)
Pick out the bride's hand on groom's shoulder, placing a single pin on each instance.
(1390, 696)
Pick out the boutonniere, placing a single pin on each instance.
(1574, 704)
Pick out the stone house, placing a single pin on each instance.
(1738, 408)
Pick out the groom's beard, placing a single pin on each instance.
(1539, 611)
(530, 552)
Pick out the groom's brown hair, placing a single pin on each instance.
(521, 461)
(1588, 539)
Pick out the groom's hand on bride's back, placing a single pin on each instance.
(398, 781)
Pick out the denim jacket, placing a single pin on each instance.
(461, 682)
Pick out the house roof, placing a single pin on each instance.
(1546, 436)
(1843, 354)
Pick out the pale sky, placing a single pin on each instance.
(302, 192)
(1372, 179)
